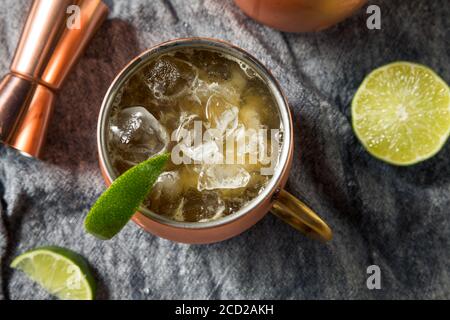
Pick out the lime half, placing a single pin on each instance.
(62, 272)
(401, 113)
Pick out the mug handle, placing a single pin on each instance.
(297, 214)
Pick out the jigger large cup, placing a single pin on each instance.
(48, 49)
(273, 198)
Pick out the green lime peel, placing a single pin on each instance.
(115, 207)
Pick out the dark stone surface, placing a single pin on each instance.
(397, 218)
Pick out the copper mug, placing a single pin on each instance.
(299, 15)
(273, 198)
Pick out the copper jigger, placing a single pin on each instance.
(55, 35)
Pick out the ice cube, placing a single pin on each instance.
(249, 116)
(221, 114)
(138, 133)
(203, 90)
(257, 108)
(186, 126)
(233, 87)
(237, 145)
(166, 195)
(189, 176)
(207, 152)
(215, 66)
(238, 79)
(167, 184)
(222, 177)
(191, 142)
(177, 214)
(227, 122)
(256, 149)
(202, 206)
(169, 77)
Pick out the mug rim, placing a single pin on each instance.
(220, 46)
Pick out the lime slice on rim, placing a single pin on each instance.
(62, 272)
(115, 207)
(401, 113)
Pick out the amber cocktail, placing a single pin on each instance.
(227, 126)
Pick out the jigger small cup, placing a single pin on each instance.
(272, 198)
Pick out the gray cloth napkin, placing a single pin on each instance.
(396, 218)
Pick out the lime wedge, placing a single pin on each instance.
(121, 200)
(401, 113)
(62, 272)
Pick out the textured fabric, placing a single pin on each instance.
(396, 218)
